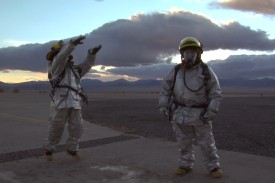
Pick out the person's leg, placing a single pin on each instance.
(205, 139)
(75, 129)
(185, 137)
(58, 120)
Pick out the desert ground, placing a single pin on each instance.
(245, 122)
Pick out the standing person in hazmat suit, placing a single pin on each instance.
(190, 98)
(67, 95)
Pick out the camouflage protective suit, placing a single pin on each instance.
(186, 113)
(66, 103)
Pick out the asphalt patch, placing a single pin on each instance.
(35, 153)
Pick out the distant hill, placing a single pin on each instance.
(256, 83)
(121, 85)
(139, 85)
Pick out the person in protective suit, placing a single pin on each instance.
(190, 98)
(66, 95)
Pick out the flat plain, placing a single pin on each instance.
(245, 122)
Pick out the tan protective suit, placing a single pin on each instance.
(188, 123)
(66, 104)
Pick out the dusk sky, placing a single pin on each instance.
(140, 38)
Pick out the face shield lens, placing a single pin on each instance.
(190, 56)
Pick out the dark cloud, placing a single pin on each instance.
(237, 66)
(266, 7)
(30, 57)
(144, 72)
(92, 76)
(144, 40)
(245, 66)
(154, 38)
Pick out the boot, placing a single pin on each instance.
(74, 154)
(216, 173)
(48, 155)
(182, 171)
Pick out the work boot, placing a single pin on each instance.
(48, 155)
(74, 154)
(216, 173)
(182, 171)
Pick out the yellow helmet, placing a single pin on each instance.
(190, 42)
(58, 45)
(55, 49)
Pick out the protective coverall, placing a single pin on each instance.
(66, 103)
(186, 113)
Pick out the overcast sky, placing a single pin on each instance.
(141, 40)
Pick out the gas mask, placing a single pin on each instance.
(189, 57)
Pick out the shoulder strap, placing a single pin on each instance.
(76, 70)
(56, 82)
(177, 67)
(206, 73)
(207, 77)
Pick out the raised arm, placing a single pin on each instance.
(60, 61)
(89, 61)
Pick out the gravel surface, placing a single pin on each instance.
(244, 124)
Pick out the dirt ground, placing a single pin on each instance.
(244, 124)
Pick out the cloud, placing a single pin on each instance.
(266, 7)
(154, 38)
(93, 76)
(142, 41)
(4, 71)
(156, 71)
(7, 43)
(29, 57)
(235, 66)
(245, 66)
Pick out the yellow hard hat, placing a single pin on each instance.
(190, 42)
(55, 49)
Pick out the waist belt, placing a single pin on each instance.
(192, 106)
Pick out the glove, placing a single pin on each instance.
(209, 115)
(164, 111)
(77, 40)
(94, 50)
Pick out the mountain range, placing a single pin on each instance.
(140, 85)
